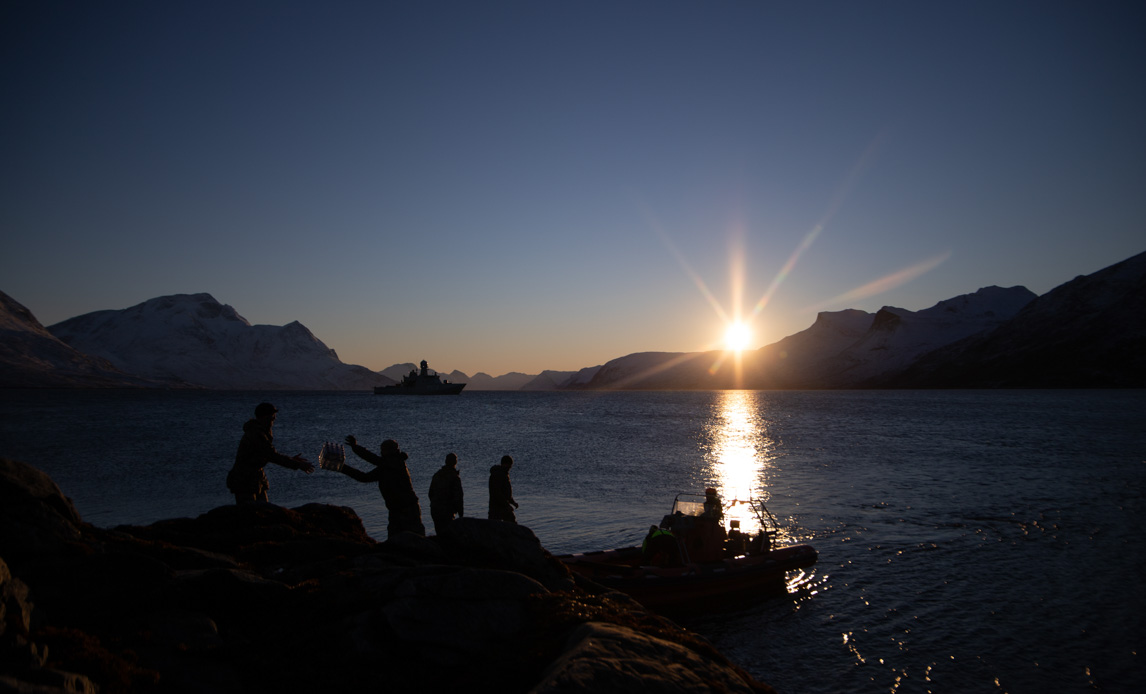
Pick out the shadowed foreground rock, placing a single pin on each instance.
(266, 599)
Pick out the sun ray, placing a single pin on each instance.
(738, 326)
(885, 283)
(787, 269)
(841, 194)
(696, 279)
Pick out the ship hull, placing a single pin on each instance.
(440, 389)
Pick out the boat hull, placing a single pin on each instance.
(441, 389)
(694, 584)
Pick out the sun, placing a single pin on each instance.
(737, 337)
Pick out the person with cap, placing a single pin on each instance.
(393, 480)
(446, 494)
(501, 503)
(247, 480)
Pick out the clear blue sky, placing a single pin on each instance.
(518, 186)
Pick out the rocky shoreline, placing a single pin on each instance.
(260, 598)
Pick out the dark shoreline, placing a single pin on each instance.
(263, 598)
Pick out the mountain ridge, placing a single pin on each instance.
(31, 357)
(1088, 332)
(1084, 333)
(203, 342)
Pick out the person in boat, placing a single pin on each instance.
(247, 479)
(703, 538)
(739, 543)
(501, 503)
(393, 480)
(446, 497)
(712, 506)
(660, 548)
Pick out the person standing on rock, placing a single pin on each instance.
(501, 503)
(247, 480)
(446, 494)
(393, 480)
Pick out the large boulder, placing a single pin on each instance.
(35, 516)
(490, 543)
(611, 658)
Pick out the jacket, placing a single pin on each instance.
(446, 496)
(391, 475)
(256, 449)
(500, 488)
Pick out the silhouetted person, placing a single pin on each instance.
(247, 480)
(446, 494)
(712, 505)
(705, 541)
(660, 548)
(394, 482)
(501, 503)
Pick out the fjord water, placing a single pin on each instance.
(970, 541)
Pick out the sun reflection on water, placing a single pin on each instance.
(741, 461)
(739, 454)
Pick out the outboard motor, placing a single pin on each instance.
(737, 542)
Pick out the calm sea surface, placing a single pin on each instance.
(969, 541)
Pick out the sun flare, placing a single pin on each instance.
(737, 337)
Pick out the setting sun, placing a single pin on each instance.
(737, 337)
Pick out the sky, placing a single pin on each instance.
(520, 186)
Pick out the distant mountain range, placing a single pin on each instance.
(1089, 332)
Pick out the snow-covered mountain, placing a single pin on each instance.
(897, 337)
(842, 349)
(194, 338)
(31, 357)
(1089, 333)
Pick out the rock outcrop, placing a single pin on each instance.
(259, 598)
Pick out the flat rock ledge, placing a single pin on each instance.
(260, 598)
